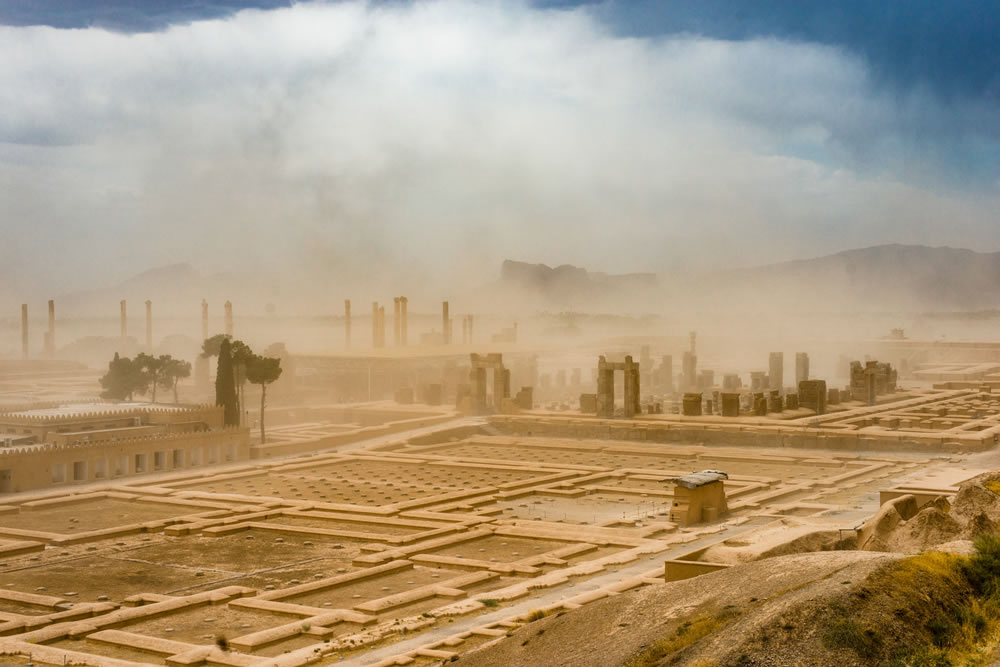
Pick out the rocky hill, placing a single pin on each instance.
(868, 606)
(887, 277)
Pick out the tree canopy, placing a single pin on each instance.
(123, 379)
(263, 371)
(225, 385)
(174, 370)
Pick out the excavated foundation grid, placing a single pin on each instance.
(325, 557)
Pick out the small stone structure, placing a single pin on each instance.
(730, 404)
(774, 401)
(871, 380)
(228, 312)
(699, 497)
(691, 404)
(588, 404)
(477, 377)
(524, 400)
(606, 387)
(812, 395)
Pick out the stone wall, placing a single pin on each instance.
(49, 465)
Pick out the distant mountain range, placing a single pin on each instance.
(880, 278)
(886, 277)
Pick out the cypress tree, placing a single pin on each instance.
(225, 386)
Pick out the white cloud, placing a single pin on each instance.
(442, 136)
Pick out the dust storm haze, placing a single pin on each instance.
(416, 242)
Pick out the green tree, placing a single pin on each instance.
(241, 354)
(123, 379)
(173, 371)
(152, 367)
(263, 371)
(225, 386)
(210, 346)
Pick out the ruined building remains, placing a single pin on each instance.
(606, 387)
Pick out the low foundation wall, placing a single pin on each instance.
(736, 435)
(291, 448)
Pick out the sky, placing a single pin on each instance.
(424, 142)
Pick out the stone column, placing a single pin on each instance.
(124, 319)
(445, 324)
(631, 388)
(149, 326)
(667, 372)
(605, 389)
(403, 301)
(465, 330)
(50, 336)
(776, 372)
(381, 326)
(471, 320)
(229, 318)
(397, 326)
(201, 363)
(24, 330)
(801, 367)
(347, 323)
(690, 371)
(498, 387)
(479, 388)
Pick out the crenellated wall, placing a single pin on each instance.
(52, 464)
(45, 427)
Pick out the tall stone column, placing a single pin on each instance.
(397, 326)
(374, 323)
(478, 378)
(124, 319)
(631, 388)
(605, 389)
(465, 330)
(50, 336)
(229, 318)
(347, 323)
(445, 324)
(403, 301)
(149, 326)
(381, 326)
(776, 372)
(801, 367)
(201, 370)
(24, 330)
(471, 320)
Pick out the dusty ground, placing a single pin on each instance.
(611, 631)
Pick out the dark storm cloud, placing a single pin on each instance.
(451, 134)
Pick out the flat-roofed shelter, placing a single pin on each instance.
(699, 496)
